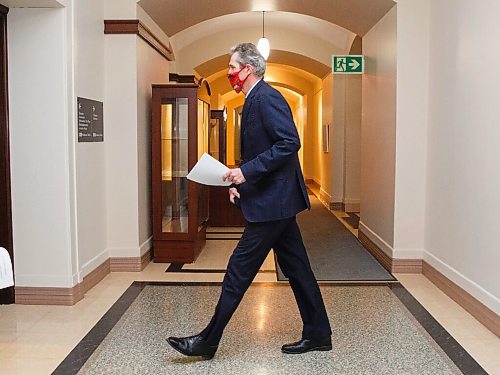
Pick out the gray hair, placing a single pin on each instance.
(249, 54)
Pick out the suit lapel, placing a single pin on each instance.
(248, 105)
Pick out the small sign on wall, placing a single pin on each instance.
(348, 64)
(90, 120)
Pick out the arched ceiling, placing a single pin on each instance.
(275, 23)
(303, 34)
(303, 41)
(358, 16)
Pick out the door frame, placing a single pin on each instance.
(6, 295)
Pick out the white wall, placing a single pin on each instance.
(316, 152)
(121, 145)
(151, 68)
(131, 66)
(120, 9)
(41, 142)
(378, 129)
(301, 122)
(326, 158)
(411, 132)
(309, 129)
(337, 130)
(328, 167)
(90, 156)
(462, 203)
(352, 162)
(446, 189)
(340, 179)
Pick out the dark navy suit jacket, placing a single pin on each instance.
(274, 187)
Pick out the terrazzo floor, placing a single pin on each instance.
(36, 339)
(372, 333)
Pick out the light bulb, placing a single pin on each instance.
(264, 47)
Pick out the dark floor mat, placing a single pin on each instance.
(334, 252)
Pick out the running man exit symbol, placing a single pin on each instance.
(347, 64)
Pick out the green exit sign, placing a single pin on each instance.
(348, 64)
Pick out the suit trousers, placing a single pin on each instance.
(254, 246)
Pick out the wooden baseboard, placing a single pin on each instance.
(130, 264)
(325, 198)
(352, 207)
(406, 266)
(48, 296)
(70, 296)
(337, 206)
(146, 258)
(94, 277)
(312, 182)
(62, 296)
(478, 310)
(390, 264)
(384, 259)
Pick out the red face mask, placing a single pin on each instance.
(235, 81)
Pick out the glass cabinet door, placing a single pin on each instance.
(203, 125)
(179, 133)
(174, 165)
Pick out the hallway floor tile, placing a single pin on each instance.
(21, 326)
(373, 332)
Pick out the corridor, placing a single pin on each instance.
(107, 105)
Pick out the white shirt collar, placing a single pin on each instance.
(251, 88)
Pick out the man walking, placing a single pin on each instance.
(270, 190)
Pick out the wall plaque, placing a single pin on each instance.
(90, 120)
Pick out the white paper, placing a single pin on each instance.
(6, 273)
(208, 171)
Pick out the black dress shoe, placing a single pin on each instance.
(193, 346)
(305, 345)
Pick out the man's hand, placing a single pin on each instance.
(235, 176)
(233, 193)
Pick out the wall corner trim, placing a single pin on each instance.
(385, 254)
(130, 264)
(376, 239)
(136, 27)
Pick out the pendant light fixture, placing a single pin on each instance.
(263, 45)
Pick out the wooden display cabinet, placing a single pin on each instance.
(179, 136)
